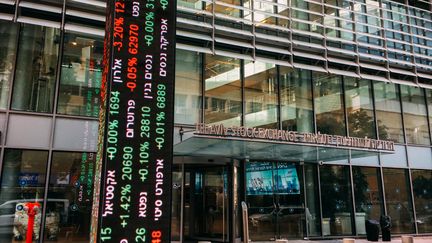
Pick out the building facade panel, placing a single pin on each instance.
(339, 67)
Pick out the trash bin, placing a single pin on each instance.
(372, 230)
(385, 222)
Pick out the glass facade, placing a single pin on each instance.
(368, 196)
(398, 200)
(296, 100)
(352, 68)
(22, 184)
(70, 196)
(223, 102)
(8, 34)
(329, 105)
(337, 216)
(36, 69)
(261, 97)
(81, 75)
(422, 183)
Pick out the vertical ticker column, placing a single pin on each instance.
(136, 154)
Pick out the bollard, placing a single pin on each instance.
(407, 239)
(348, 240)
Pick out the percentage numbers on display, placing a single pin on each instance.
(160, 116)
(125, 197)
(149, 28)
(161, 96)
(123, 218)
(126, 189)
(150, 4)
(156, 236)
(164, 4)
(140, 237)
(113, 124)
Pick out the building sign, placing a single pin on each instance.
(137, 123)
(294, 137)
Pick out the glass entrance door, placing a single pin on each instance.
(206, 203)
(274, 193)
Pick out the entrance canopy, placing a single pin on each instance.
(256, 149)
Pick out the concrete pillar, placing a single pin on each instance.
(407, 239)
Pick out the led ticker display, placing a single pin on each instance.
(138, 122)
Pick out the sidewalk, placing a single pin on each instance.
(418, 239)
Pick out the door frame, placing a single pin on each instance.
(229, 165)
(301, 172)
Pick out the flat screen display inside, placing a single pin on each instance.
(265, 178)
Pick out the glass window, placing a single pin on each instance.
(422, 188)
(364, 158)
(312, 204)
(223, 103)
(359, 106)
(187, 87)
(194, 4)
(329, 108)
(396, 159)
(260, 95)
(398, 200)
(337, 206)
(388, 111)
(8, 35)
(176, 201)
(419, 157)
(70, 196)
(415, 115)
(367, 192)
(21, 193)
(36, 68)
(81, 75)
(296, 100)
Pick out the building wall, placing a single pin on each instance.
(357, 68)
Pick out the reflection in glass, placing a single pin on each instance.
(187, 87)
(429, 105)
(422, 188)
(22, 185)
(223, 103)
(367, 192)
(312, 211)
(296, 100)
(177, 181)
(359, 106)
(70, 196)
(337, 204)
(36, 68)
(8, 34)
(415, 115)
(274, 193)
(329, 104)
(193, 4)
(388, 111)
(81, 74)
(225, 7)
(260, 94)
(398, 200)
(261, 201)
(289, 188)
